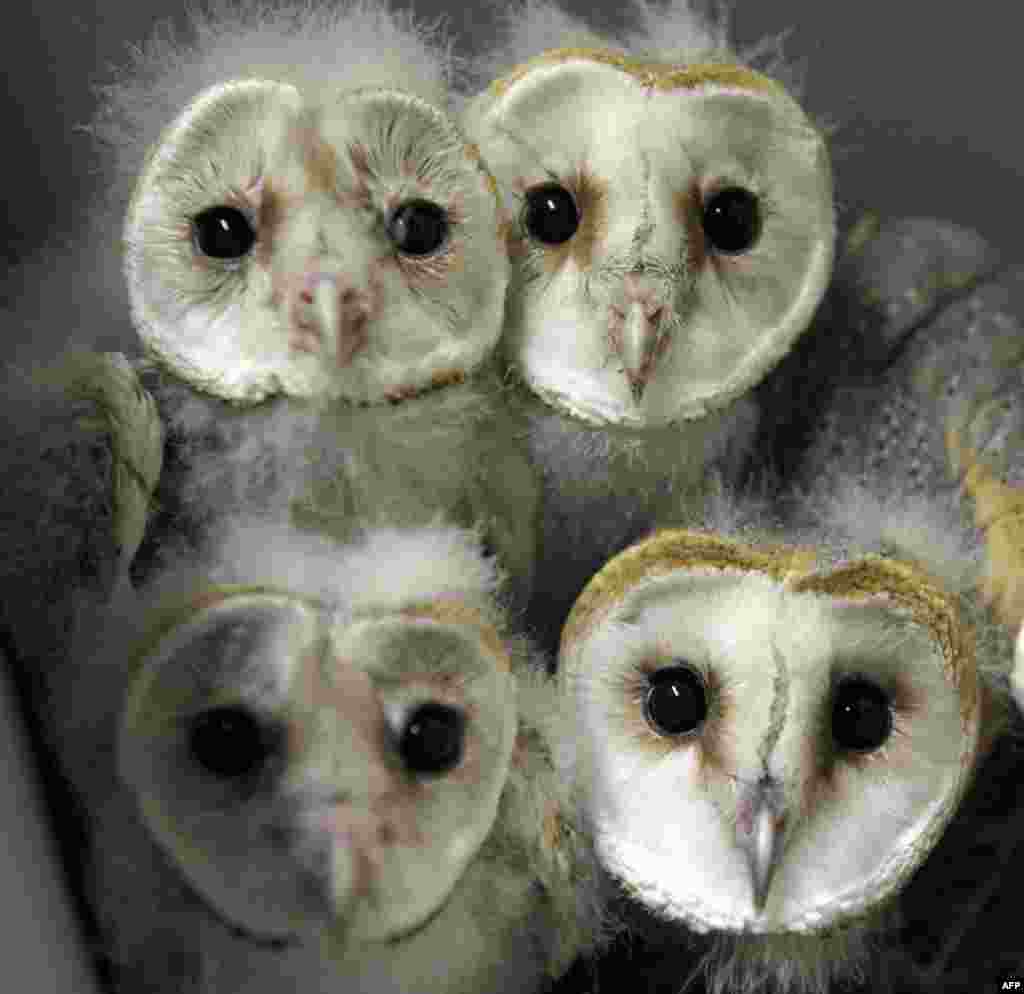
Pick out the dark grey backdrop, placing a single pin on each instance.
(927, 94)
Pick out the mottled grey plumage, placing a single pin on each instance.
(920, 327)
(342, 469)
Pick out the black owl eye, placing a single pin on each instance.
(432, 739)
(676, 701)
(861, 715)
(223, 233)
(732, 220)
(418, 227)
(551, 215)
(229, 742)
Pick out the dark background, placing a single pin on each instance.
(926, 95)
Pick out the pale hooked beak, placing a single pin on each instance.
(760, 830)
(343, 316)
(638, 343)
(327, 313)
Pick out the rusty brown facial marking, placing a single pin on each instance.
(552, 827)
(359, 156)
(447, 378)
(318, 157)
(689, 211)
(336, 684)
(269, 219)
(591, 196)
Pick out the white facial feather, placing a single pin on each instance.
(777, 669)
(673, 208)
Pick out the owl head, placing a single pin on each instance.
(312, 223)
(672, 218)
(768, 750)
(358, 762)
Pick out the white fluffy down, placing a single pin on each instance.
(318, 48)
(386, 569)
(671, 32)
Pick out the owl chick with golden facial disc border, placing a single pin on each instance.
(770, 730)
(673, 235)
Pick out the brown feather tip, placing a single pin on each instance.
(909, 587)
(653, 74)
(999, 513)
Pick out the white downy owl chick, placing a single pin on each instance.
(311, 767)
(317, 268)
(672, 236)
(770, 739)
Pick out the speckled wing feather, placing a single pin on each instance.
(917, 321)
(925, 396)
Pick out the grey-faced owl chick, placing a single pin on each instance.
(774, 728)
(315, 767)
(672, 237)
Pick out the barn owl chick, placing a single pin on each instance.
(771, 738)
(672, 237)
(333, 772)
(317, 268)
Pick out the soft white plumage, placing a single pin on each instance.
(771, 739)
(319, 768)
(673, 235)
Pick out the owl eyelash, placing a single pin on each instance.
(864, 761)
(770, 210)
(635, 680)
(768, 205)
(552, 176)
(425, 271)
